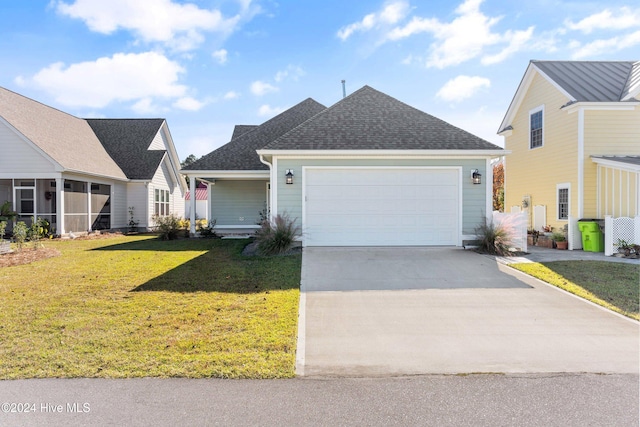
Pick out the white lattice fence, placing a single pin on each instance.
(622, 228)
(516, 224)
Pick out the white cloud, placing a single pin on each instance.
(602, 46)
(179, 25)
(267, 110)
(145, 106)
(517, 40)
(464, 38)
(260, 88)
(390, 14)
(292, 72)
(462, 87)
(606, 20)
(122, 77)
(188, 103)
(220, 56)
(231, 95)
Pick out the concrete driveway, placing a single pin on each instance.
(404, 311)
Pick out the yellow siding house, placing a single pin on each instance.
(573, 130)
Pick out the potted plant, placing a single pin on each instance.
(560, 239)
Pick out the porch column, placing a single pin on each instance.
(89, 224)
(192, 202)
(60, 205)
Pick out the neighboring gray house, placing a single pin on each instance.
(84, 175)
(368, 171)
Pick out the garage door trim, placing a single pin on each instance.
(457, 169)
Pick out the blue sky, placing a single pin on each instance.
(206, 65)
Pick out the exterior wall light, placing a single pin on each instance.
(289, 176)
(476, 176)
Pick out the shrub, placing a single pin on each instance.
(3, 229)
(493, 239)
(168, 226)
(277, 236)
(558, 236)
(208, 229)
(20, 231)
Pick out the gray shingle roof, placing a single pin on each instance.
(69, 140)
(371, 120)
(592, 81)
(240, 153)
(242, 129)
(127, 142)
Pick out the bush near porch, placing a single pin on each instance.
(136, 306)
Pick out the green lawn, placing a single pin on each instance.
(138, 306)
(609, 284)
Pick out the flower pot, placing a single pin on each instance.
(562, 245)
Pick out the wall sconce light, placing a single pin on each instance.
(289, 176)
(476, 176)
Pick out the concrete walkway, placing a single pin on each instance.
(404, 311)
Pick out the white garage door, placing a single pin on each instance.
(381, 207)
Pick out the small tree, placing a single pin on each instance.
(498, 187)
(20, 232)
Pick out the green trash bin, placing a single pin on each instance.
(592, 237)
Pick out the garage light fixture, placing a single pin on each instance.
(476, 176)
(289, 176)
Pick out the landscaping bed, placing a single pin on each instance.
(135, 306)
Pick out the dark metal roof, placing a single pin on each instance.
(127, 142)
(592, 81)
(242, 129)
(631, 160)
(240, 153)
(371, 120)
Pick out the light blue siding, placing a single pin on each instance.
(289, 197)
(238, 203)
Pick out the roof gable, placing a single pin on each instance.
(127, 142)
(66, 139)
(580, 81)
(371, 120)
(240, 153)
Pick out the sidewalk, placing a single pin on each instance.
(539, 254)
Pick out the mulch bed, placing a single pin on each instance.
(27, 256)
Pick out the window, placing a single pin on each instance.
(162, 202)
(563, 203)
(535, 127)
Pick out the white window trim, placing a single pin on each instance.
(567, 186)
(532, 112)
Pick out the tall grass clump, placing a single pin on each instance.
(494, 239)
(277, 236)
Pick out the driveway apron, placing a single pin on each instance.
(406, 311)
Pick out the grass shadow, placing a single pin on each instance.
(223, 269)
(156, 244)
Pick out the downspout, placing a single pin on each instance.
(263, 161)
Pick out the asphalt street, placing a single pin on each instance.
(432, 400)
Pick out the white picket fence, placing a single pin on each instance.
(516, 224)
(621, 228)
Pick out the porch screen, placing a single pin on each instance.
(76, 206)
(100, 207)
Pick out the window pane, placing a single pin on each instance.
(563, 203)
(536, 129)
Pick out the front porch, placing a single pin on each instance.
(69, 205)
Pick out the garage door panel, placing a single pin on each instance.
(378, 206)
